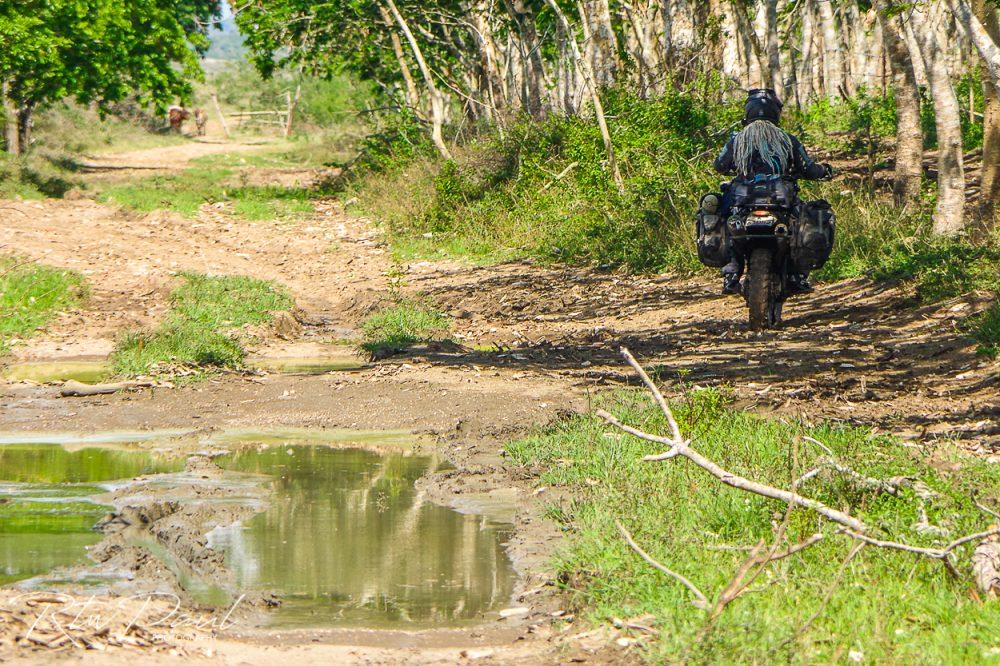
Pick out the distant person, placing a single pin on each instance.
(176, 115)
(200, 120)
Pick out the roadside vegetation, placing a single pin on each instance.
(397, 327)
(910, 611)
(31, 295)
(203, 330)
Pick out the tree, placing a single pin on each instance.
(98, 51)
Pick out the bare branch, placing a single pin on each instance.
(660, 400)
(736, 481)
(936, 553)
(702, 599)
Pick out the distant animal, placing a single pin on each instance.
(176, 115)
(200, 120)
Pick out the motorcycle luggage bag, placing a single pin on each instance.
(814, 237)
(712, 236)
(765, 190)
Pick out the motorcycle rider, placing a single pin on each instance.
(762, 149)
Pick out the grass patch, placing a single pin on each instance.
(187, 191)
(31, 295)
(891, 607)
(201, 327)
(986, 330)
(395, 328)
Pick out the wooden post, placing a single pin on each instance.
(292, 103)
(222, 118)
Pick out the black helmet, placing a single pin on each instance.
(762, 104)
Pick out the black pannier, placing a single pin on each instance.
(712, 233)
(769, 190)
(812, 242)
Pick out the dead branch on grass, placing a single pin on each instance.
(849, 524)
(702, 601)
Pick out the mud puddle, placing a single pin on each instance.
(48, 505)
(336, 531)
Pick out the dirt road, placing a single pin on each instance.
(534, 342)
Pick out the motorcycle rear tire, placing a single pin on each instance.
(762, 291)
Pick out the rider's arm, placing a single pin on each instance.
(805, 167)
(724, 163)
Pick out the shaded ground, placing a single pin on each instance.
(535, 342)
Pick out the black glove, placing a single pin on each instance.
(829, 172)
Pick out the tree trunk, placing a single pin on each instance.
(412, 95)
(909, 135)
(774, 47)
(438, 101)
(25, 124)
(602, 46)
(532, 67)
(11, 137)
(991, 124)
(949, 216)
(979, 35)
(833, 55)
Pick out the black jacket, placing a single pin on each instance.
(800, 166)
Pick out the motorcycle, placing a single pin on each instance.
(776, 233)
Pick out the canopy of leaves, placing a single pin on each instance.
(102, 50)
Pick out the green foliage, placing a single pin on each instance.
(101, 50)
(31, 295)
(198, 331)
(543, 190)
(858, 125)
(891, 607)
(393, 329)
(986, 330)
(185, 193)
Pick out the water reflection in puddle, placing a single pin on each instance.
(347, 539)
(45, 372)
(97, 371)
(46, 509)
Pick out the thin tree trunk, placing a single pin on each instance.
(412, 94)
(949, 216)
(774, 47)
(438, 100)
(584, 64)
(991, 124)
(979, 35)
(909, 134)
(11, 137)
(833, 55)
(602, 45)
(532, 67)
(25, 124)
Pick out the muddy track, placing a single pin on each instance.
(533, 343)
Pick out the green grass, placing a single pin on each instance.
(31, 295)
(393, 329)
(891, 606)
(201, 329)
(986, 330)
(187, 191)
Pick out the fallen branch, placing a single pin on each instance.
(75, 389)
(734, 480)
(702, 599)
